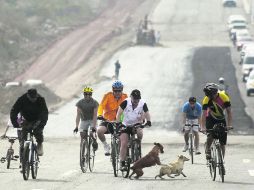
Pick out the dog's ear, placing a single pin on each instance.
(181, 156)
(155, 143)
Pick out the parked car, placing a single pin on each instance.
(240, 41)
(236, 19)
(229, 3)
(246, 49)
(248, 65)
(237, 27)
(250, 83)
(12, 84)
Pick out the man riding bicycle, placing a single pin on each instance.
(191, 115)
(34, 112)
(134, 110)
(107, 110)
(214, 104)
(86, 112)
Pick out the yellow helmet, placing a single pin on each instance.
(88, 89)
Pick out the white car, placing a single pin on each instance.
(246, 49)
(235, 19)
(240, 41)
(250, 83)
(237, 27)
(229, 3)
(12, 84)
(248, 65)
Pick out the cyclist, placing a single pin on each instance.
(213, 105)
(134, 110)
(86, 112)
(34, 112)
(117, 68)
(191, 115)
(108, 109)
(222, 85)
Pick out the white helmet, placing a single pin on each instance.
(221, 80)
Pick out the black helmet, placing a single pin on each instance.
(210, 89)
(192, 99)
(136, 94)
(32, 92)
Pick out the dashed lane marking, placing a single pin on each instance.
(246, 160)
(251, 172)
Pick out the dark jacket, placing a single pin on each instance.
(30, 111)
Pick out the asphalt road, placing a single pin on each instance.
(194, 41)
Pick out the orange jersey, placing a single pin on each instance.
(109, 106)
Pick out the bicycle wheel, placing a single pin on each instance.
(8, 159)
(136, 154)
(26, 163)
(115, 157)
(213, 162)
(191, 148)
(83, 156)
(34, 162)
(220, 164)
(91, 154)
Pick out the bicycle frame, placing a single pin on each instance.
(191, 143)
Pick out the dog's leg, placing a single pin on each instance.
(183, 174)
(158, 176)
(131, 174)
(169, 175)
(139, 173)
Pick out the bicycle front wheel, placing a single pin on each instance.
(83, 156)
(8, 159)
(115, 157)
(213, 162)
(220, 164)
(34, 163)
(26, 163)
(91, 154)
(191, 148)
(135, 151)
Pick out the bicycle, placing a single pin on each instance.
(191, 143)
(134, 148)
(30, 158)
(10, 152)
(87, 152)
(115, 146)
(216, 160)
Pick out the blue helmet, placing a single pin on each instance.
(117, 84)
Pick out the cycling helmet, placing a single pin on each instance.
(210, 89)
(88, 89)
(221, 80)
(192, 99)
(117, 84)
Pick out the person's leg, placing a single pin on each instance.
(102, 129)
(196, 142)
(123, 149)
(186, 140)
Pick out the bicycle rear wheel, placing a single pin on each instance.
(213, 163)
(25, 163)
(83, 156)
(34, 162)
(135, 151)
(115, 157)
(91, 154)
(191, 148)
(220, 164)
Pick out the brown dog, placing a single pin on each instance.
(175, 167)
(151, 159)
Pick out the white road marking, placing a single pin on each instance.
(251, 172)
(246, 160)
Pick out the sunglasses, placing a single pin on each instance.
(87, 94)
(117, 90)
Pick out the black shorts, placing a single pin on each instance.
(109, 126)
(210, 122)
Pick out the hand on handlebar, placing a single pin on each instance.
(148, 123)
(75, 130)
(3, 136)
(100, 117)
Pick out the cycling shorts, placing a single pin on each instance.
(191, 121)
(84, 125)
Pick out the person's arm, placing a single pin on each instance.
(44, 113)
(203, 121)
(118, 114)
(78, 116)
(229, 117)
(4, 135)
(95, 117)
(14, 113)
(102, 106)
(148, 116)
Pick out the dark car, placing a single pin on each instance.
(229, 3)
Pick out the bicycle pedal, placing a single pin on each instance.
(16, 156)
